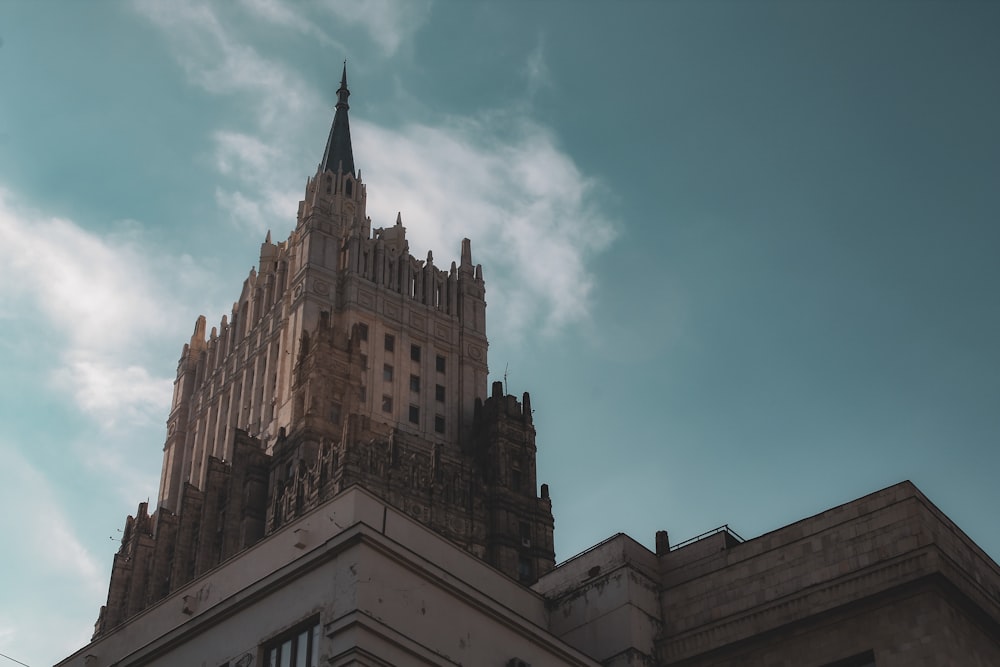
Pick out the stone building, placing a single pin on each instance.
(341, 487)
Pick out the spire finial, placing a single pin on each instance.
(339, 154)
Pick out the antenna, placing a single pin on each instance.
(505, 367)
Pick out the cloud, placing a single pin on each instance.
(219, 63)
(535, 220)
(536, 69)
(501, 180)
(43, 542)
(102, 297)
(388, 22)
(263, 169)
(278, 13)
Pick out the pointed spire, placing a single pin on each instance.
(338, 154)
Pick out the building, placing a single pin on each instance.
(341, 487)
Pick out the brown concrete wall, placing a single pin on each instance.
(919, 627)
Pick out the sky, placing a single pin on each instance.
(743, 255)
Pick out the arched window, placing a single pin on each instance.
(348, 187)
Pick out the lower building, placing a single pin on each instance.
(884, 580)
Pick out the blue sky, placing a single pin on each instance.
(742, 254)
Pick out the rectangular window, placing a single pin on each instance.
(439, 393)
(414, 414)
(415, 383)
(439, 423)
(364, 362)
(386, 403)
(335, 413)
(297, 648)
(390, 343)
(387, 372)
(362, 331)
(415, 352)
(524, 570)
(866, 659)
(439, 363)
(363, 393)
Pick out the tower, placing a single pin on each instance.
(345, 360)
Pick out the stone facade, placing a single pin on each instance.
(884, 580)
(344, 361)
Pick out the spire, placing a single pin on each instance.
(338, 152)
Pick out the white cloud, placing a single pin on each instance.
(219, 63)
(42, 543)
(536, 69)
(534, 219)
(286, 15)
(103, 299)
(259, 168)
(388, 22)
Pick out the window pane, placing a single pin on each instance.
(390, 342)
(415, 383)
(414, 414)
(286, 654)
(440, 364)
(302, 649)
(387, 373)
(439, 393)
(415, 352)
(314, 655)
(387, 404)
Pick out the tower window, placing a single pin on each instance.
(386, 403)
(387, 372)
(524, 569)
(439, 363)
(415, 352)
(348, 187)
(415, 383)
(414, 414)
(439, 423)
(439, 393)
(390, 343)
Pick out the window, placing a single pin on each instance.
(335, 413)
(415, 383)
(439, 364)
(390, 343)
(364, 362)
(415, 352)
(363, 393)
(297, 648)
(387, 372)
(524, 569)
(414, 414)
(439, 393)
(386, 403)
(866, 659)
(439, 423)
(362, 331)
